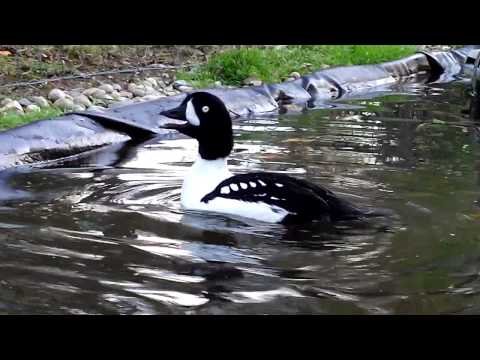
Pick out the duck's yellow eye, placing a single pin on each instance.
(205, 109)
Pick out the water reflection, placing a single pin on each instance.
(104, 233)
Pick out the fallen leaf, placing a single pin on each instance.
(5, 53)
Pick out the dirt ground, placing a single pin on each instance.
(25, 65)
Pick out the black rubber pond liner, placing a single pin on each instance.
(49, 140)
(468, 69)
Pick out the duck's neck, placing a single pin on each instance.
(202, 178)
(202, 167)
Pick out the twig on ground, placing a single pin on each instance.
(100, 73)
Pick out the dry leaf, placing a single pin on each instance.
(5, 53)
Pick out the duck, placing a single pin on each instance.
(209, 186)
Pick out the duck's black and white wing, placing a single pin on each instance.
(299, 198)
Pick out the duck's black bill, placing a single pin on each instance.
(185, 128)
(178, 113)
(176, 126)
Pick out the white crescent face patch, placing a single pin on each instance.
(191, 115)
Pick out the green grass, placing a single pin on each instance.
(11, 119)
(274, 65)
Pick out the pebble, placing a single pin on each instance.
(252, 81)
(179, 83)
(64, 103)
(131, 87)
(75, 92)
(166, 77)
(78, 107)
(170, 93)
(56, 94)
(82, 100)
(160, 83)
(126, 94)
(99, 94)
(150, 90)
(107, 88)
(32, 108)
(6, 109)
(89, 92)
(295, 75)
(13, 105)
(115, 95)
(5, 101)
(139, 92)
(185, 88)
(40, 101)
(152, 81)
(24, 102)
(96, 108)
(99, 102)
(105, 97)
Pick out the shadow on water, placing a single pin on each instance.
(104, 232)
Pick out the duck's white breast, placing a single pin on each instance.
(203, 178)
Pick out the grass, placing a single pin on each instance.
(273, 65)
(12, 119)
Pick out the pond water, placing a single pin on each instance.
(114, 240)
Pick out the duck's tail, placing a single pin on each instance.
(345, 210)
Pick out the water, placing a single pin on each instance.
(113, 240)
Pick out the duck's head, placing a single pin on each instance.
(207, 120)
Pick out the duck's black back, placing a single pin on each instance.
(302, 199)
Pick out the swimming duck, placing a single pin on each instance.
(269, 197)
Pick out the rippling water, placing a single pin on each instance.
(114, 240)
